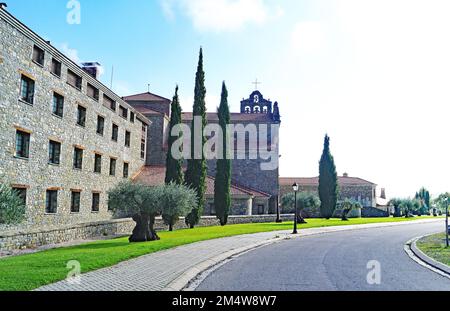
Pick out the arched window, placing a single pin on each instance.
(247, 109)
(256, 109)
(265, 109)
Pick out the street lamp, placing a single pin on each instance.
(295, 188)
(446, 222)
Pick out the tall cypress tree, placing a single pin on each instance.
(222, 184)
(174, 172)
(328, 182)
(196, 170)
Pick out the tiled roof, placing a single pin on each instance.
(313, 181)
(146, 97)
(243, 117)
(147, 111)
(156, 175)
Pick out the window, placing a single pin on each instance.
(261, 210)
(98, 164)
(81, 116)
(143, 140)
(132, 117)
(92, 92)
(38, 55)
(22, 194)
(58, 105)
(27, 90)
(112, 167)
(73, 79)
(51, 202)
(142, 150)
(126, 168)
(22, 144)
(127, 139)
(76, 202)
(115, 133)
(96, 202)
(100, 125)
(123, 112)
(78, 158)
(109, 205)
(212, 209)
(54, 152)
(56, 67)
(108, 102)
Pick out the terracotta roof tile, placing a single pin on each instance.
(146, 97)
(313, 181)
(243, 117)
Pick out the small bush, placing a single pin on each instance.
(12, 209)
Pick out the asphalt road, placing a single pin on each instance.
(336, 261)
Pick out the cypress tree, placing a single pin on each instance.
(222, 184)
(328, 182)
(196, 170)
(174, 172)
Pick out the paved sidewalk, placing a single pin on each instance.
(158, 271)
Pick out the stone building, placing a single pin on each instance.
(255, 191)
(65, 138)
(363, 191)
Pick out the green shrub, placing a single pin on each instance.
(12, 209)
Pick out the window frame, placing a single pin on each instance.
(102, 128)
(24, 144)
(58, 71)
(58, 106)
(41, 56)
(115, 133)
(112, 167)
(74, 194)
(49, 199)
(30, 89)
(77, 151)
(97, 163)
(54, 152)
(81, 108)
(95, 208)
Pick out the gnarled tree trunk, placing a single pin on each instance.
(144, 230)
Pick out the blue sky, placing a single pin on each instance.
(371, 74)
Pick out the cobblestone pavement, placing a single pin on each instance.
(156, 271)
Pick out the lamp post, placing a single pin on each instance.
(295, 188)
(446, 223)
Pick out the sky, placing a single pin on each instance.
(373, 74)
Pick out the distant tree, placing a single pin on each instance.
(441, 202)
(396, 203)
(328, 182)
(423, 196)
(174, 172)
(409, 206)
(306, 202)
(222, 184)
(177, 201)
(196, 170)
(12, 209)
(347, 206)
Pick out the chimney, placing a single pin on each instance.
(383, 193)
(91, 68)
(345, 175)
(3, 5)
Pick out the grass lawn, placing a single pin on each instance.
(434, 247)
(31, 271)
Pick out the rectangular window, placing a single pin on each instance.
(56, 67)
(126, 168)
(22, 144)
(81, 116)
(132, 117)
(100, 125)
(96, 202)
(108, 102)
(58, 105)
(22, 193)
(115, 133)
(92, 92)
(78, 158)
(212, 209)
(142, 150)
(27, 90)
(98, 164)
(38, 55)
(51, 202)
(123, 112)
(54, 152)
(143, 140)
(127, 139)
(73, 79)
(76, 202)
(261, 210)
(112, 167)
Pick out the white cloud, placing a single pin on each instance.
(70, 53)
(222, 15)
(307, 37)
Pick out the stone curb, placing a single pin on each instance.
(183, 282)
(417, 255)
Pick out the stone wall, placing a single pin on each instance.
(35, 173)
(33, 238)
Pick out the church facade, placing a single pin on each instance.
(254, 190)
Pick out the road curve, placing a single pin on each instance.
(335, 261)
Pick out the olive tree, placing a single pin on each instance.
(396, 203)
(306, 202)
(347, 206)
(12, 209)
(177, 201)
